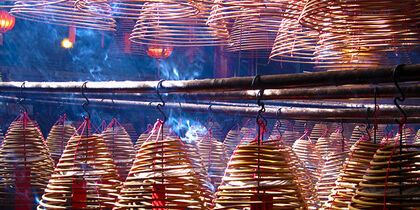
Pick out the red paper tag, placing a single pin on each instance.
(158, 196)
(127, 43)
(79, 194)
(266, 199)
(23, 193)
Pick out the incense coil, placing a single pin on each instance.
(317, 131)
(203, 177)
(142, 138)
(162, 176)
(214, 158)
(418, 137)
(289, 137)
(329, 174)
(308, 153)
(325, 145)
(247, 135)
(348, 180)
(215, 129)
(385, 24)
(149, 135)
(157, 27)
(121, 149)
(339, 142)
(232, 140)
(57, 139)
(392, 180)
(244, 188)
(85, 176)
(26, 165)
(130, 9)
(129, 127)
(303, 178)
(62, 13)
(356, 135)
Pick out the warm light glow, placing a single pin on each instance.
(66, 43)
(7, 22)
(159, 52)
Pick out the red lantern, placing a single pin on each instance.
(6, 21)
(159, 52)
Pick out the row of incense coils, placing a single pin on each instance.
(321, 169)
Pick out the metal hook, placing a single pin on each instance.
(161, 105)
(87, 100)
(367, 123)
(21, 98)
(395, 77)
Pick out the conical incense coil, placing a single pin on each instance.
(130, 9)
(85, 176)
(258, 177)
(162, 177)
(418, 137)
(142, 138)
(325, 145)
(300, 126)
(151, 133)
(279, 128)
(289, 137)
(216, 130)
(156, 27)
(392, 180)
(214, 158)
(308, 153)
(201, 172)
(339, 142)
(26, 165)
(303, 178)
(58, 137)
(248, 135)
(129, 127)
(120, 146)
(329, 174)
(384, 24)
(357, 133)
(232, 140)
(354, 168)
(62, 13)
(318, 130)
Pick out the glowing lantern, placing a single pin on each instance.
(6, 21)
(66, 43)
(159, 52)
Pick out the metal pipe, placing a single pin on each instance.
(315, 79)
(341, 92)
(336, 114)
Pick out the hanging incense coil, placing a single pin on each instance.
(85, 176)
(162, 176)
(339, 142)
(129, 127)
(325, 145)
(317, 131)
(309, 154)
(348, 180)
(152, 134)
(356, 135)
(142, 138)
(386, 25)
(62, 13)
(418, 137)
(57, 139)
(201, 172)
(247, 135)
(329, 173)
(289, 137)
(392, 180)
(214, 158)
(232, 140)
(157, 27)
(273, 187)
(120, 146)
(26, 165)
(131, 9)
(303, 178)
(216, 129)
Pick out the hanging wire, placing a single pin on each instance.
(21, 99)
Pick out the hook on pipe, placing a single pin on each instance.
(397, 99)
(160, 105)
(87, 100)
(21, 99)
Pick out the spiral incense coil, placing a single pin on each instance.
(309, 154)
(392, 180)
(62, 13)
(131, 9)
(303, 178)
(325, 145)
(357, 133)
(329, 173)
(215, 129)
(317, 131)
(214, 158)
(57, 139)
(348, 180)
(201, 172)
(129, 127)
(162, 177)
(418, 137)
(142, 138)
(85, 176)
(301, 125)
(26, 165)
(289, 137)
(382, 23)
(121, 149)
(339, 142)
(279, 128)
(258, 177)
(157, 27)
(232, 140)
